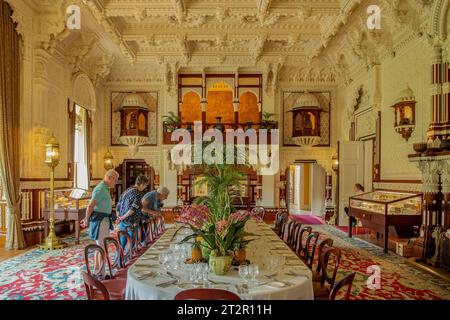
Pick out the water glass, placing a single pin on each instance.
(253, 272)
(163, 259)
(243, 272)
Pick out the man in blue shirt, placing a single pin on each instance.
(98, 214)
(152, 200)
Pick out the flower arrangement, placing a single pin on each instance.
(220, 236)
(217, 227)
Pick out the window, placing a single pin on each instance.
(81, 157)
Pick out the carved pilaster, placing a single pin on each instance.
(432, 202)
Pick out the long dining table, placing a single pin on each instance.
(148, 279)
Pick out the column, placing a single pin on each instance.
(329, 205)
(431, 204)
(440, 96)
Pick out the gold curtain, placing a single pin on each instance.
(9, 125)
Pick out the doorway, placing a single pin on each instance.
(306, 188)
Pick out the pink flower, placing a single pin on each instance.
(221, 226)
(240, 215)
(194, 215)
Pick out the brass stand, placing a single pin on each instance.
(52, 242)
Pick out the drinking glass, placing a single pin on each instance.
(253, 272)
(205, 272)
(243, 272)
(163, 259)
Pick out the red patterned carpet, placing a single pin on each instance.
(57, 275)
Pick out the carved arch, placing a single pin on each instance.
(83, 92)
(439, 21)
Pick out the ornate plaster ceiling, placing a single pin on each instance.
(155, 29)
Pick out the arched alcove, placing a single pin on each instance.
(248, 108)
(191, 109)
(220, 104)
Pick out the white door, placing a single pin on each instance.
(368, 165)
(351, 171)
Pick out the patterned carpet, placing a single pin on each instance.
(56, 274)
(399, 280)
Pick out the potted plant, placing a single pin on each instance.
(267, 122)
(172, 121)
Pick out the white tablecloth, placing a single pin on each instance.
(296, 287)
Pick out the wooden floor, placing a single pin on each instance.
(8, 254)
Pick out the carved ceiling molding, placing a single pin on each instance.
(99, 13)
(404, 20)
(310, 74)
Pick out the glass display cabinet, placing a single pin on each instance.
(379, 210)
(70, 205)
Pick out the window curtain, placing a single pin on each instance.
(9, 126)
(82, 149)
(88, 142)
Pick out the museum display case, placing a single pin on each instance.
(70, 205)
(379, 210)
(387, 202)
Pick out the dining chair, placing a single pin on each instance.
(206, 294)
(293, 239)
(258, 212)
(114, 258)
(289, 227)
(346, 281)
(90, 253)
(278, 219)
(127, 247)
(97, 290)
(283, 224)
(309, 251)
(304, 233)
(328, 242)
(323, 287)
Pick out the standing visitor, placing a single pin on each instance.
(98, 214)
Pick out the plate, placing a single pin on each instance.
(221, 286)
(276, 284)
(185, 286)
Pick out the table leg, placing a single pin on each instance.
(45, 228)
(77, 231)
(349, 226)
(386, 239)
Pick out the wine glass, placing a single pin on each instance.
(253, 272)
(163, 258)
(243, 272)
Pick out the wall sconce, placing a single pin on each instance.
(108, 161)
(335, 162)
(404, 109)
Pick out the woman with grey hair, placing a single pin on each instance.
(129, 207)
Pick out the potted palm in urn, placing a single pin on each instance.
(214, 220)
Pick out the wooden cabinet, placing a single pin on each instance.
(379, 210)
(128, 171)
